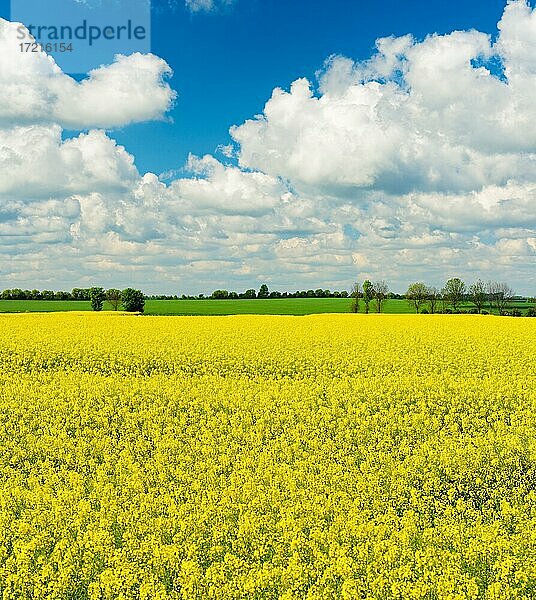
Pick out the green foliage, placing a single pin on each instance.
(478, 294)
(220, 295)
(416, 295)
(368, 294)
(454, 292)
(263, 291)
(133, 300)
(97, 296)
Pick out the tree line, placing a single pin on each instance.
(486, 297)
(129, 299)
(250, 294)
(265, 293)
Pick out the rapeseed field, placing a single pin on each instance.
(331, 456)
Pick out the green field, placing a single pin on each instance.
(284, 306)
(287, 306)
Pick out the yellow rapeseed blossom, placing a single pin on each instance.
(333, 456)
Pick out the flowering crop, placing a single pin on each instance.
(332, 456)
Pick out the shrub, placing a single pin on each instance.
(97, 296)
(484, 312)
(133, 300)
(424, 311)
(531, 312)
(516, 312)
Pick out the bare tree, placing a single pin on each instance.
(500, 294)
(434, 296)
(381, 289)
(478, 295)
(114, 298)
(416, 295)
(491, 292)
(454, 292)
(355, 293)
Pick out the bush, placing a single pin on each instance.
(531, 312)
(484, 312)
(97, 296)
(424, 311)
(516, 312)
(133, 300)
(220, 295)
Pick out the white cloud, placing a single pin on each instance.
(35, 90)
(418, 116)
(36, 163)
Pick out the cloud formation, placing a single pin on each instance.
(418, 116)
(35, 90)
(419, 163)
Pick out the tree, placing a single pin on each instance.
(417, 295)
(250, 294)
(381, 289)
(478, 294)
(97, 296)
(80, 294)
(355, 293)
(454, 292)
(263, 291)
(133, 300)
(220, 295)
(433, 296)
(500, 295)
(114, 298)
(368, 294)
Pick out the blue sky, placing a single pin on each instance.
(382, 140)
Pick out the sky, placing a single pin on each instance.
(301, 144)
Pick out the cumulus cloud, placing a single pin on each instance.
(34, 89)
(418, 163)
(418, 116)
(36, 163)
